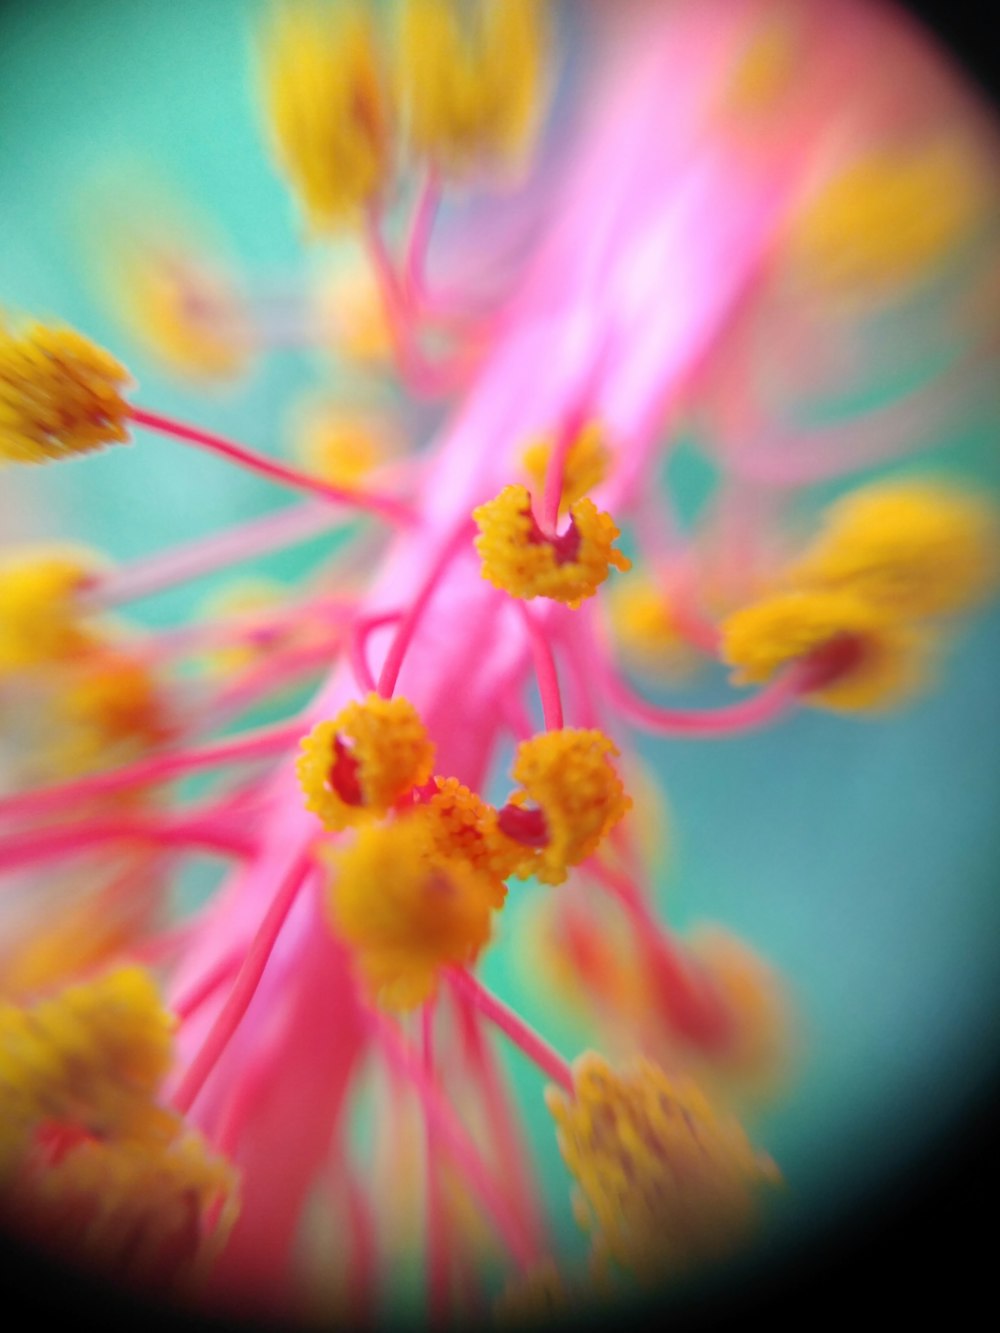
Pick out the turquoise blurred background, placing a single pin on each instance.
(860, 858)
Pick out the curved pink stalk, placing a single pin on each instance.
(524, 1037)
(356, 650)
(245, 986)
(386, 506)
(50, 844)
(545, 670)
(258, 744)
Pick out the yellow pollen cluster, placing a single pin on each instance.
(112, 706)
(89, 1161)
(406, 910)
(646, 628)
(40, 621)
(587, 465)
(59, 395)
(356, 767)
(868, 659)
(461, 824)
(914, 548)
(889, 217)
(518, 558)
(470, 78)
(342, 447)
(665, 1181)
(328, 112)
(569, 776)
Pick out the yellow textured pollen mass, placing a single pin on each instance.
(665, 1182)
(60, 394)
(407, 911)
(328, 110)
(869, 660)
(40, 618)
(569, 776)
(889, 217)
(357, 766)
(461, 824)
(587, 464)
(518, 558)
(471, 79)
(913, 548)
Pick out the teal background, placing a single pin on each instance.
(860, 857)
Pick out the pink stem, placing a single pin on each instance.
(251, 745)
(437, 1252)
(206, 986)
(524, 1037)
(385, 506)
(418, 240)
(411, 619)
(556, 468)
(455, 1139)
(271, 676)
(545, 671)
(245, 986)
(775, 700)
(358, 643)
(195, 559)
(40, 845)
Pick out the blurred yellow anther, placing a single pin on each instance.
(109, 709)
(568, 775)
(407, 911)
(341, 446)
(587, 465)
(889, 217)
(857, 656)
(766, 66)
(534, 1298)
(60, 394)
(40, 618)
(665, 1181)
(91, 1164)
(461, 824)
(647, 630)
(91, 1057)
(470, 78)
(350, 308)
(914, 548)
(327, 108)
(356, 767)
(520, 559)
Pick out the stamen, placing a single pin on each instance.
(524, 1037)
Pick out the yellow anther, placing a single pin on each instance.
(356, 767)
(665, 1181)
(342, 446)
(327, 107)
(406, 911)
(646, 628)
(889, 217)
(110, 707)
(60, 394)
(350, 307)
(40, 617)
(570, 779)
(587, 465)
(520, 559)
(914, 548)
(92, 1057)
(471, 79)
(461, 824)
(766, 66)
(858, 657)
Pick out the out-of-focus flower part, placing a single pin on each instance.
(648, 629)
(357, 766)
(665, 1181)
(587, 464)
(471, 79)
(520, 559)
(59, 395)
(343, 446)
(539, 1297)
(40, 616)
(329, 114)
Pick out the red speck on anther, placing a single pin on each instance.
(54, 1140)
(528, 827)
(566, 545)
(842, 655)
(343, 778)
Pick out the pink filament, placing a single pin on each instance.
(776, 700)
(37, 846)
(545, 671)
(524, 1037)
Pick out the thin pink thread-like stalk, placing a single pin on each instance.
(545, 670)
(455, 1139)
(386, 506)
(358, 643)
(411, 619)
(436, 1243)
(235, 697)
(552, 488)
(50, 844)
(245, 985)
(259, 744)
(207, 984)
(524, 1037)
(196, 559)
(418, 238)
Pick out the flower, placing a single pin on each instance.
(59, 394)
